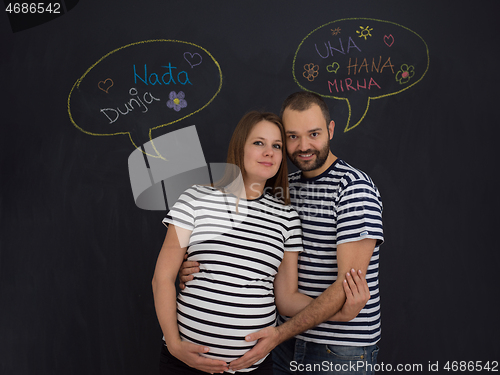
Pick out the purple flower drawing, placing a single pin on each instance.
(176, 101)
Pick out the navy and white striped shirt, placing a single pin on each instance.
(341, 205)
(239, 255)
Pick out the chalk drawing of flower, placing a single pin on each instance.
(405, 74)
(336, 31)
(311, 71)
(176, 100)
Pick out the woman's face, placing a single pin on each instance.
(263, 152)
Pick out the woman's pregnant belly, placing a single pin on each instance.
(220, 317)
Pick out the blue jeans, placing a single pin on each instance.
(297, 356)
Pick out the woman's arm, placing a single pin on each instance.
(168, 263)
(290, 301)
(357, 295)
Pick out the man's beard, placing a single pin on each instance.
(306, 166)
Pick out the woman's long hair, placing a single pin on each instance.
(276, 185)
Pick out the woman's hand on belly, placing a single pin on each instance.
(189, 353)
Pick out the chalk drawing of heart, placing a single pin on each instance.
(389, 40)
(105, 85)
(193, 59)
(333, 68)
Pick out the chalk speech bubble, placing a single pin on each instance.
(360, 59)
(143, 86)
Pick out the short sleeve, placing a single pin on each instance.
(182, 213)
(359, 213)
(294, 240)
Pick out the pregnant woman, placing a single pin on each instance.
(239, 234)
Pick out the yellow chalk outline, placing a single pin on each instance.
(347, 128)
(79, 80)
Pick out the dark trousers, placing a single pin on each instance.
(169, 365)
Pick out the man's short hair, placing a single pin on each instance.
(303, 100)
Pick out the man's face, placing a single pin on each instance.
(308, 140)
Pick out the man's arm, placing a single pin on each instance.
(188, 268)
(290, 301)
(350, 256)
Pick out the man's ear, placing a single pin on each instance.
(331, 128)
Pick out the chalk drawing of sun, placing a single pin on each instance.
(365, 32)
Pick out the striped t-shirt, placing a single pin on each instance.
(239, 255)
(341, 205)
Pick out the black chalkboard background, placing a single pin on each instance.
(77, 255)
